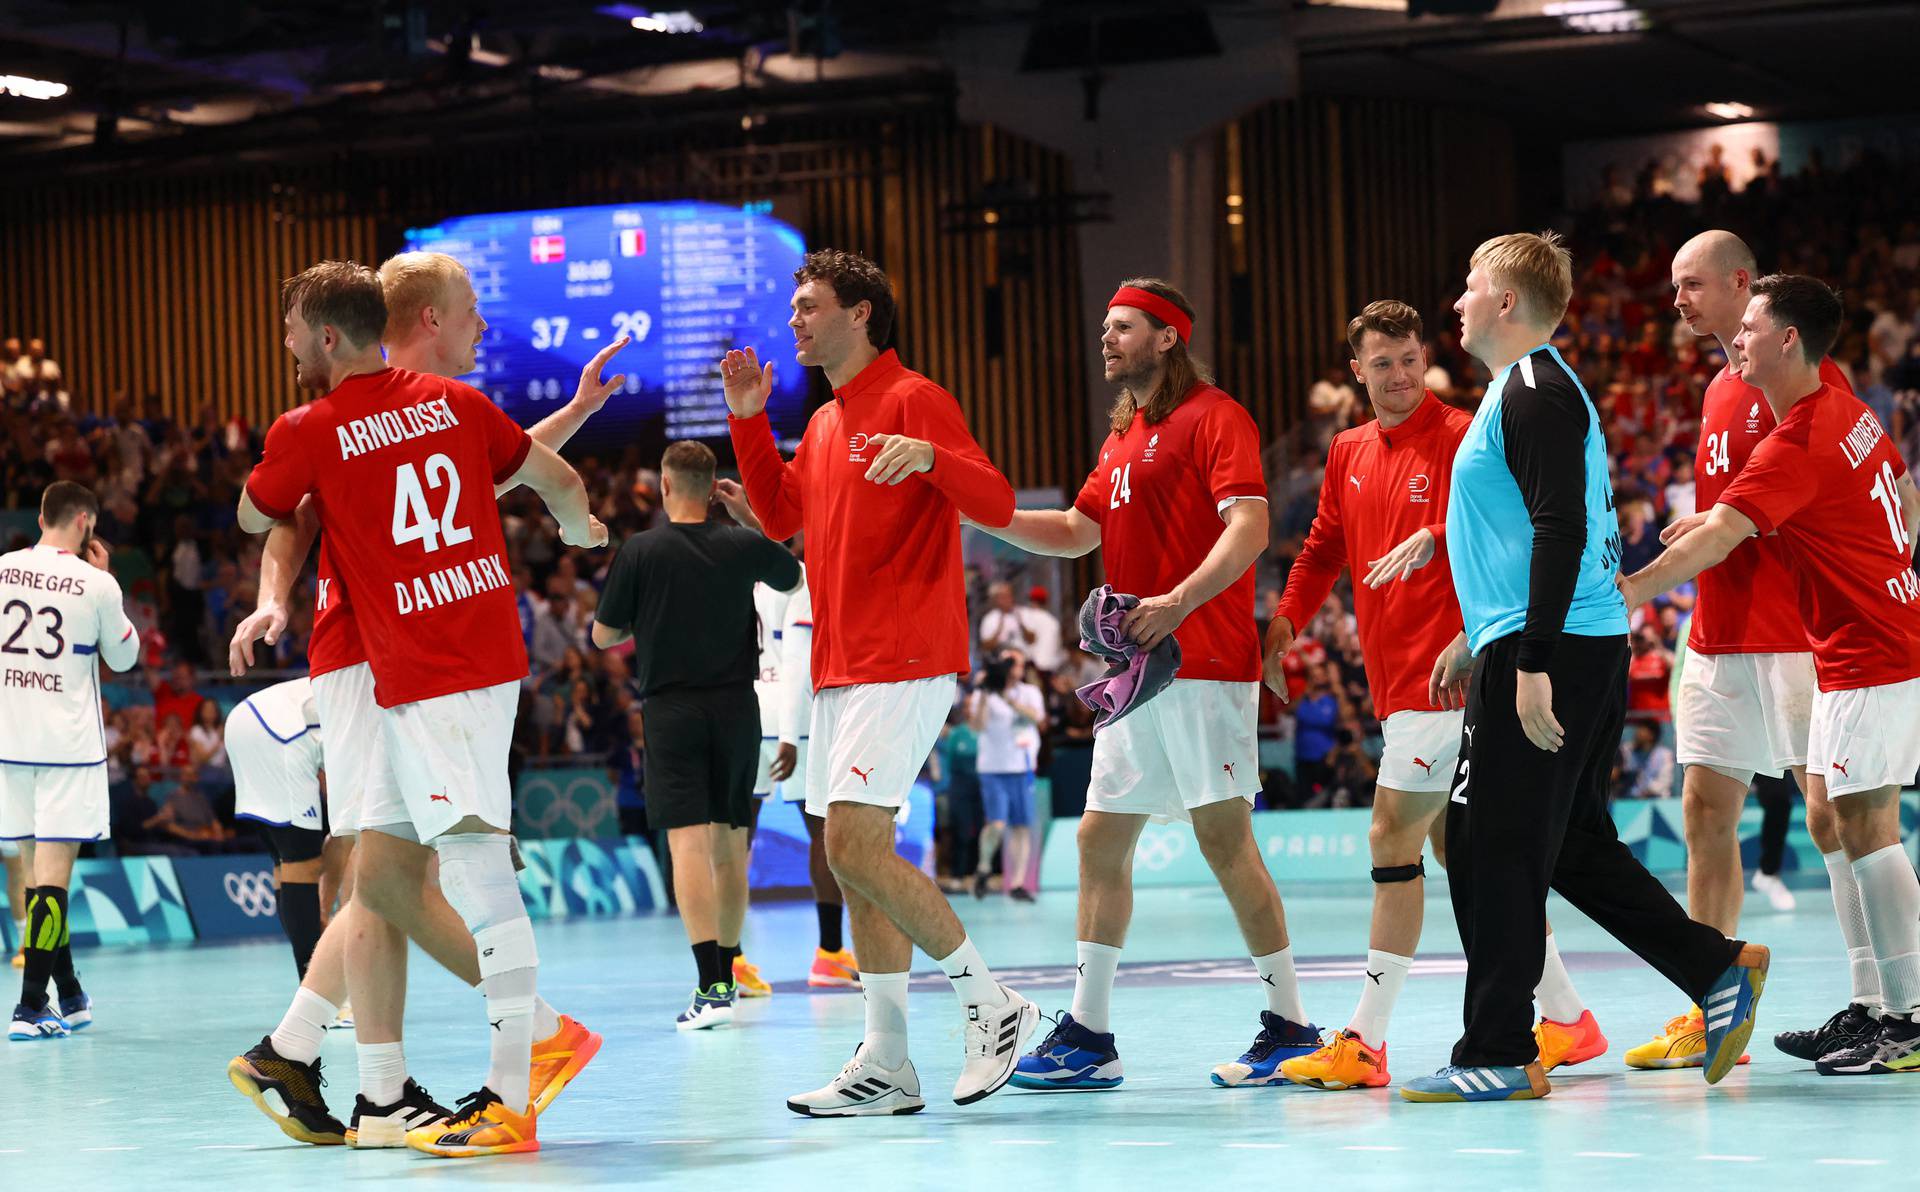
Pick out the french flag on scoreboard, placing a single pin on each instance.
(547, 249)
(633, 242)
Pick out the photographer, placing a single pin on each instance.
(1003, 710)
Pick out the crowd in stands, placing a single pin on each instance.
(168, 490)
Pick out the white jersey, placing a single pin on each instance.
(59, 615)
(274, 748)
(769, 609)
(796, 667)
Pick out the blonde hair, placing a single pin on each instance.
(413, 281)
(1537, 268)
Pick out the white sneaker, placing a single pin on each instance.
(1775, 890)
(863, 1089)
(343, 1019)
(996, 1035)
(710, 1007)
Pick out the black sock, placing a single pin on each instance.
(706, 958)
(46, 928)
(829, 913)
(300, 919)
(727, 957)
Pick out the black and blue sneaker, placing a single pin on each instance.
(710, 1007)
(31, 1025)
(1071, 1057)
(1280, 1039)
(1729, 1009)
(1459, 1083)
(77, 1011)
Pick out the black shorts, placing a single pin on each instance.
(289, 845)
(703, 748)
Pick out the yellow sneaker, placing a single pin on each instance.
(559, 1058)
(1682, 1045)
(834, 970)
(1346, 1062)
(747, 979)
(480, 1126)
(1564, 1044)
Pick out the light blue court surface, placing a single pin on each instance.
(140, 1100)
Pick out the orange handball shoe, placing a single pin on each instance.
(480, 1126)
(1564, 1044)
(1345, 1062)
(557, 1059)
(834, 970)
(747, 979)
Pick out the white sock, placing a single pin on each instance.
(546, 1019)
(299, 1034)
(510, 1015)
(1093, 984)
(476, 872)
(1865, 975)
(1559, 1002)
(971, 978)
(1283, 988)
(886, 1037)
(383, 1072)
(1379, 990)
(1890, 895)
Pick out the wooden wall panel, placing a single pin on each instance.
(1341, 202)
(169, 285)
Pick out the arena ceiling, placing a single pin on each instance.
(188, 79)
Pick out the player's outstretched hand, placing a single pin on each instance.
(1629, 592)
(596, 534)
(593, 392)
(898, 457)
(1403, 560)
(265, 623)
(734, 499)
(1279, 641)
(746, 383)
(1681, 527)
(1533, 700)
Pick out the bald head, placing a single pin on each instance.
(1720, 251)
(1711, 276)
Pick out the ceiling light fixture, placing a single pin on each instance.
(1730, 111)
(26, 88)
(1597, 16)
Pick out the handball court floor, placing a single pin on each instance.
(140, 1099)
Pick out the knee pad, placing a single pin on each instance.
(1400, 873)
(476, 874)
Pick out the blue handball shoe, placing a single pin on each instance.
(30, 1025)
(1456, 1083)
(1279, 1040)
(1070, 1058)
(1729, 1009)
(77, 1011)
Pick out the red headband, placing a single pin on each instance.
(1156, 306)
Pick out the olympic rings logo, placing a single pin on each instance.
(253, 893)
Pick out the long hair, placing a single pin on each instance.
(1180, 370)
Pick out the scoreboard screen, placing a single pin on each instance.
(686, 280)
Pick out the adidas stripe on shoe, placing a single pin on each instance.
(994, 1037)
(863, 1089)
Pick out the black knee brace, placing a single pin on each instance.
(1400, 873)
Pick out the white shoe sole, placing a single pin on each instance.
(889, 1105)
(706, 1021)
(1029, 1018)
(377, 1134)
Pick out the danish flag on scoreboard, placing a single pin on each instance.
(633, 242)
(547, 249)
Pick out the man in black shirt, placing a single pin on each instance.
(684, 592)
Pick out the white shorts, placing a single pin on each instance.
(1744, 714)
(275, 781)
(361, 790)
(763, 778)
(450, 758)
(1866, 738)
(793, 788)
(1193, 744)
(1422, 750)
(59, 803)
(871, 739)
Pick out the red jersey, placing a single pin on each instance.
(1649, 677)
(883, 561)
(405, 465)
(1747, 602)
(1160, 493)
(1825, 482)
(335, 644)
(1381, 487)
